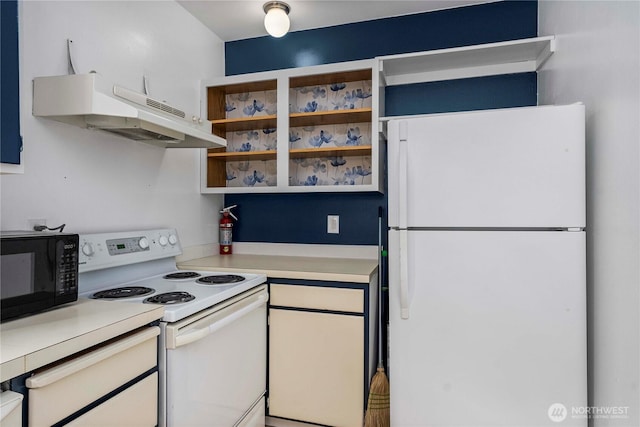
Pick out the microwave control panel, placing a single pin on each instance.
(67, 266)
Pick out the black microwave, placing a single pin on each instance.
(38, 271)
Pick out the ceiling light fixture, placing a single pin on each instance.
(276, 20)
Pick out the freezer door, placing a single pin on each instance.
(496, 332)
(518, 167)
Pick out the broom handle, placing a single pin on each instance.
(380, 271)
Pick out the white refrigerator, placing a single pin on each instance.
(487, 286)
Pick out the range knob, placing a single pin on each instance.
(163, 240)
(143, 243)
(87, 249)
(173, 239)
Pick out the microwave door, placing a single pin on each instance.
(26, 283)
(17, 271)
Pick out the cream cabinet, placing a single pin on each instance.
(320, 354)
(115, 383)
(309, 129)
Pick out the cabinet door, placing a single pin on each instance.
(316, 370)
(10, 102)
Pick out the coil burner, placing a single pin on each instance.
(170, 298)
(124, 292)
(182, 275)
(222, 279)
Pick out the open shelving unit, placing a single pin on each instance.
(217, 112)
(345, 101)
(227, 119)
(514, 56)
(294, 151)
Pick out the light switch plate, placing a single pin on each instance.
(333, 224)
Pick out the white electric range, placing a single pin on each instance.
(212, 352)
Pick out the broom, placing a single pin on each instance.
(377, 414)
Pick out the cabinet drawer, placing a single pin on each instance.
(318, 297)
(136, 406)
(61, 390)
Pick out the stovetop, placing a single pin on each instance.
(143, 263)
(204, 295)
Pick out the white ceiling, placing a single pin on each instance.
(243, 19)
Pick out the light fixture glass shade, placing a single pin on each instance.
(276, 21)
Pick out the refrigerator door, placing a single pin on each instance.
(517, 167)
(497, 329)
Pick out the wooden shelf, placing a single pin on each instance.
(515, 56)
(245, 87)
(216, 112)
(360, 150)
(329, 78)
(332, 117)
(242, 156)
(245, 123)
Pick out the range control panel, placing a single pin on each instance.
(104, 250)
(128, 245)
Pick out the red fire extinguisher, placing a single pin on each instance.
(226, 227)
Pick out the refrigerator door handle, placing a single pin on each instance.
(404, 275)
(403, 174)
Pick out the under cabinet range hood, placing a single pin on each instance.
(78, 100)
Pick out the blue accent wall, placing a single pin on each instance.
(10, 139)
(485, 23)
(480, 93)
(302, 218)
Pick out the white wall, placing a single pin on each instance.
(94, 181)
(598, 63)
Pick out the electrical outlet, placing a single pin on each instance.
(333, 224)
(33, 222)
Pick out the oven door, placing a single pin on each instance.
(215, 366)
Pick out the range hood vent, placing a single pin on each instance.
(141, 99)
(75, 99)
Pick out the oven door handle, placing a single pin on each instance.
(198, 334)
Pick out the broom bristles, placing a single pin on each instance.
(377, 414)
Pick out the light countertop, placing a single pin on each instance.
(289, 267)
(34, 341)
